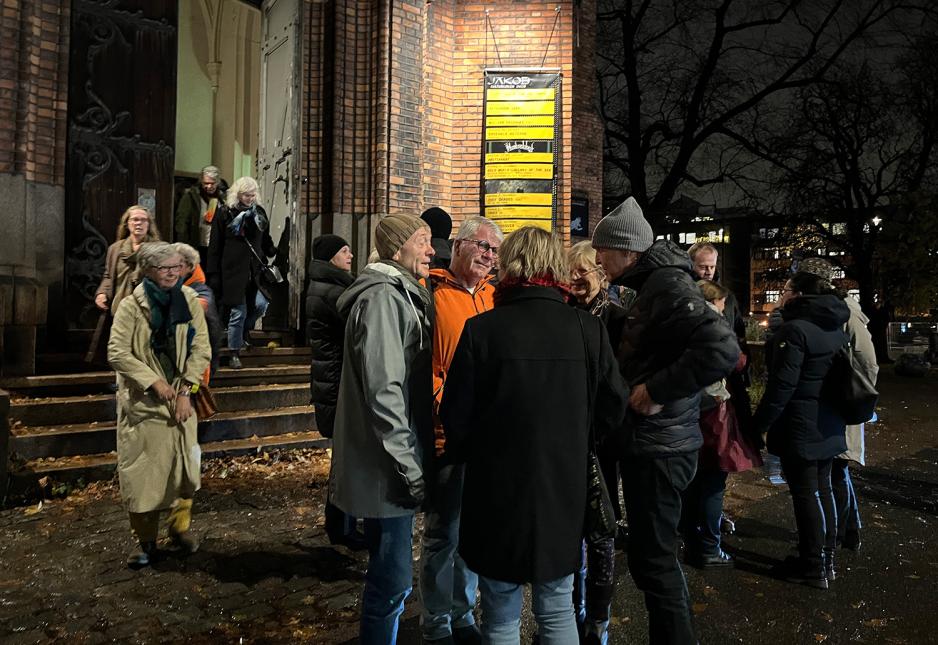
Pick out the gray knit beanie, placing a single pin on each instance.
(625, 229)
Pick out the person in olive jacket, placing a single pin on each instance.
(524, 495)
(672, 346)
(803, 431)
(330, 274)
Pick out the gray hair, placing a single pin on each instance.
(153, 254)
(471, 225)
(211, 171)
(240, 185)
(189, 254)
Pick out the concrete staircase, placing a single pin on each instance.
(64, 425)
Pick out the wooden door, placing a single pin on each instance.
(121, 130)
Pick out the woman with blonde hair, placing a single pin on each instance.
(239, 243)
(524, 497)
(595, 580)
(136, 226)
(159, 349)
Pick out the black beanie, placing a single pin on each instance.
(439, 221)
(326, 246)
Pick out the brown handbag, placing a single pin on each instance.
(204, 403)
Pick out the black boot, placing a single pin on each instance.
(144, 557)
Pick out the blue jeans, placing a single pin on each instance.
(447, 586)
(845, 500)
(241, 319)
(701, 513)
(552, 605)
(389, 578)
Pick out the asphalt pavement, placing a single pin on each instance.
(265, 572)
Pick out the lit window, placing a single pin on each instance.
(772, 295)
(837, 274)
(839, 228)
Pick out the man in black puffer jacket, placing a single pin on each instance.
(672, 346)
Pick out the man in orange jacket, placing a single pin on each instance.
(447, 587)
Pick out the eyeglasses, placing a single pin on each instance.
(169, 268)
(484, 246)
(576, 274)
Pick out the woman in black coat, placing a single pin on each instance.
(798, 423)
(240, 238)
(524, 496)
(330, 274)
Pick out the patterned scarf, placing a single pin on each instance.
(245, 215)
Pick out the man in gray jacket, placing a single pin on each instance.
(383, 427)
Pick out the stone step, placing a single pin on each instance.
(96, 467)
(260, 356)
(92, 438)
(54, 411)
(99, 382)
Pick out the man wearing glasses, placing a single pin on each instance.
(447, 587)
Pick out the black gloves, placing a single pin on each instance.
(413, 492)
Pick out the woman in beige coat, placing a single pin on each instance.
(159, 348)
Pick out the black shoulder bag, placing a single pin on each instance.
(600, 520)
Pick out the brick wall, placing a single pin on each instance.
(392, 115)
(587, 176)
(33, 88)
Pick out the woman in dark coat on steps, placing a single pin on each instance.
(799, 356)
(234, 271)
(524, 497)
(330, 274)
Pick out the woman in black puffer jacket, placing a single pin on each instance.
(330, 274)
(799, 356)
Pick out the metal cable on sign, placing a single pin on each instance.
(551, 37)
(489, 28)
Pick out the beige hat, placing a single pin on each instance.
(393, 231)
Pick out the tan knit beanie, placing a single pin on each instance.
(393, 231)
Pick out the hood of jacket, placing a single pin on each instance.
(661, 254)
(376, 274)
(829, 312)
(322, 271)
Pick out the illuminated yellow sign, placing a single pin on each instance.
(526, 94)
(509, 157)
(498, 121)
(510, 199)
(533, 212)
(512, 225)
(519, 107)
(519, 133)
(519, 171)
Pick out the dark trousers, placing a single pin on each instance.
(845, 499)
(652, 488)
(701, 513)
(809, 482)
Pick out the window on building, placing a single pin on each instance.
(837, 273)
(839, 228)
(772, 295)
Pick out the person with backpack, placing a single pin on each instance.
(845, 497)
(798, 422)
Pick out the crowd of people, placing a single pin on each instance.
(478, 379)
